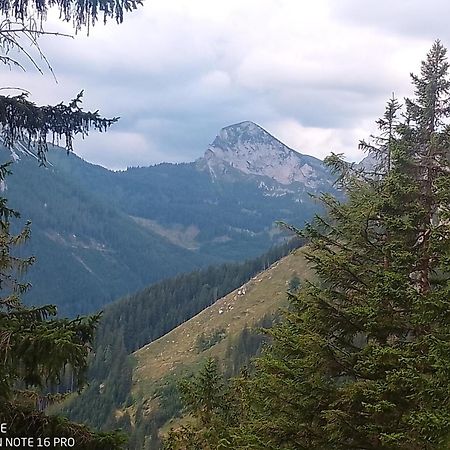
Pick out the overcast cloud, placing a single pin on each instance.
(314, 74)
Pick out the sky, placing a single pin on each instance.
(316, 75)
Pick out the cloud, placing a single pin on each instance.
(117, 150)
(321, 141)
(415, 19)
(314, 73)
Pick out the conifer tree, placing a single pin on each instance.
(21, 27)
(381, 146)
(36, 349)
(208, 400)
(362, 359)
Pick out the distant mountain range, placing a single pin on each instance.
(99, 234)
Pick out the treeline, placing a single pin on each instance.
(136, 320)
(153, 312)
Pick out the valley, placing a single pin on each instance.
(136, 388)
(99, 234)
(192, 252)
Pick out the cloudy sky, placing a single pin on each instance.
(314, 74)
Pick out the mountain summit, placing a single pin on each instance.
(252, 150)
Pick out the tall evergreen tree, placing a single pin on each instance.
(427, 134)
(207, 399)
(381, 146)
(362, 359)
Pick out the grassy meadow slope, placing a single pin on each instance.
(177, 350)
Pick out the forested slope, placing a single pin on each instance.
(87, 251)
(136, 320)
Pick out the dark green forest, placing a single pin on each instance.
(359, 357)
(88, 252)
(185, 194)
(36, 347)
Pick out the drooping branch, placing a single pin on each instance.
(23, 39)
(81, 12)
(21, 121)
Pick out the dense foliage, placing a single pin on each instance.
(25, 126)
(88, 251)
(22, 121)
(36, 349)
(208, 398)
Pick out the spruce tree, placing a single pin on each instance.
(21, 27)
(207, 399)
(362, 358)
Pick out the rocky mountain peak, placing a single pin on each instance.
(249, 148)
(247, 137)
(240, 133)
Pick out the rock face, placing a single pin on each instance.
(252, 150)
